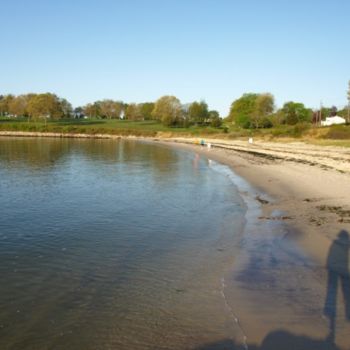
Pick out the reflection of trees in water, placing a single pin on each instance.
(158, 159)
(34, 152)
(42, 152)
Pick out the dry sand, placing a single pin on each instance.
(299, 203)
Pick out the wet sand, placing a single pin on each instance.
(289, 287)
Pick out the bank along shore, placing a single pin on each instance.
(303, 192)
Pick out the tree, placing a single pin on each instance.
(264, 106)
(214, 119)
(343, 112)
(92, 110)
(18, 106)
(146, 109)
(133, 112)
(111, 109)
(66, 108)
(251, 110)
(4, 104)
(334, 111)
(198, 112)
(45, 106)
(168, 110)
(242, 108)
(294, 113)
(78, 112)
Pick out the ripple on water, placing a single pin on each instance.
(113, 244)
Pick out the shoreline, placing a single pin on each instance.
(64, 135)
(312, 200)
(327, 157)
(306, 204)
(298, 213)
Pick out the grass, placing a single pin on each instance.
(338, 135)
(103, 126)
(338, 132)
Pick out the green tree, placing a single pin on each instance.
(214, 119)
(168, 110)
(4, 104)
(18, 106)
(251, 110)
(293, 113)
(111, 109)
(133, 112)
(198, 112)
(146, 109)
(242, 109)
(45, 106)
(343, 112)
(264, 106)
(66, 108)
(92, 110)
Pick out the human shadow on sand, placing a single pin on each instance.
(277, 340)
(338, 278)
(338, 275)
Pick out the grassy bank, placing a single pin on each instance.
(103, 126)
(334, 135)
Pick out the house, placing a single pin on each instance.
(333, 121)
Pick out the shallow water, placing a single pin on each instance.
(114, 245)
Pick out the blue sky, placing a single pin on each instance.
(139, 50)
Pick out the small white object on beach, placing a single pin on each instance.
(209, 146)
(250, 140)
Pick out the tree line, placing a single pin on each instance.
(251, 110)
(254, 110)
(35, 106)
(167, 109)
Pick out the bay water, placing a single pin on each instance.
(114, 244)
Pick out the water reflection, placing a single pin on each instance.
(34, 153)
(38, 153)
(158, 159)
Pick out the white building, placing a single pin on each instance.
(333, 121)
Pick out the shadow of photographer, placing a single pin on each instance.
(276, 340)
(338, 280)
(338, 275)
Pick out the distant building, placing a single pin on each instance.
(333, 121)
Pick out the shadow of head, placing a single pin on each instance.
(338, 257)
(343, 236)
(276, 340)
(284, 340)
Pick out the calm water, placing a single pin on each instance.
(113, 245)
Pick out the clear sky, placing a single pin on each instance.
(139, 50)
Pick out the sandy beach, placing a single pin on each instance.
(290, 286)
